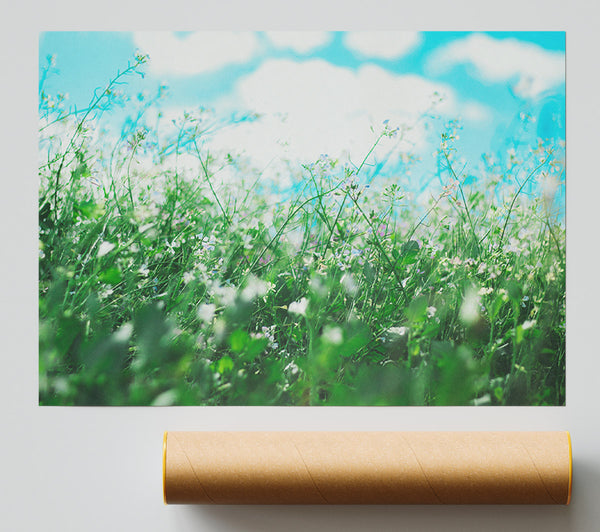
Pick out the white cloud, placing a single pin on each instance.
(301, 42)
(382, 44)
(531, 69)
(476, 112)
(312, 107)
(197, 52)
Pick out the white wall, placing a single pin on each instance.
(97, 469)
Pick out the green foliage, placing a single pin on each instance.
(161, 288)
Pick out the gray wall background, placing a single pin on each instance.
(96, 469)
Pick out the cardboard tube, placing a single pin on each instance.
(367, 467)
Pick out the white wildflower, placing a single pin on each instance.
(269, 334)
(349, 284)
(208, 244)
(513, 246)
(125, 331)
(291, 368)
(295, 238)
(318, 286)
(267, 218)
(104, 248)
(256, 288)
(333, 335)
(298, 307)
(146, 227)
(225, 294)
(469, 310)
(220, 327)
(105, 293)
(549, 187)
(247, 241)
(396, 334)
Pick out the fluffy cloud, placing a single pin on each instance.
(197, 52)
(529, 68)
(301, 42)
(476, 112)
(312, 107)
(382, 44)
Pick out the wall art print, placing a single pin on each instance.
(302, 218)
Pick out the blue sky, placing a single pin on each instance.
(321, 92)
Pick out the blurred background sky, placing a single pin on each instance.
(332, 92)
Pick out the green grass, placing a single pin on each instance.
(155, 288)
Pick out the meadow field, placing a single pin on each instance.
(164, 286)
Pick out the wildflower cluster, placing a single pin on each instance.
(169, 274)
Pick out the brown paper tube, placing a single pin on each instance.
(367, 467)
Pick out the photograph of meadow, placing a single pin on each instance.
(302, 218)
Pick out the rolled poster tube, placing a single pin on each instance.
(367, 468)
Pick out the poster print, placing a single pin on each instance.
(302, 218)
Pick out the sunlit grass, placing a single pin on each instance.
(158, 288)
